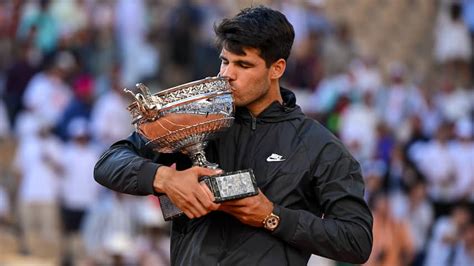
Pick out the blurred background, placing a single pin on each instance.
(392, 79)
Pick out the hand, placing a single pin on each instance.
(251, 210)
(182, 187)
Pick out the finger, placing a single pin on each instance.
(234, 211)
(207, 190)
(188, 214)
(199, 203)
(193, 209)
(188, 204)
(236, 203)
(206, 197)
(208, 202)
(201, 171)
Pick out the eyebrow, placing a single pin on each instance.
(239, 62)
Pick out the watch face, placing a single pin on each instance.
(272, 222)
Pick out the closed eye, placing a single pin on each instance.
(243, 65)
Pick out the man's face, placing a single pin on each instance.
(248, 76)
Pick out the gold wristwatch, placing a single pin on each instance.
(271, 222)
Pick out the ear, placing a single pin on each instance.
(277, 68)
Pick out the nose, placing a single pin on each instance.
(228, 72)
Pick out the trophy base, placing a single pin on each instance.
(226, 186)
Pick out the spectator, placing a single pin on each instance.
(114, 242)
(397, 99)
(184, 22)
(393, 244)
(462, 154)
(416, 209)
(73, 15)
(367, 76)
(358, 126)
(454, 102)
(40, 21)
(437, 166)
(47, 94)
(338, 50)
(464, 253)
(447, 233)
(37, 164)
(153, 244)
(304, 69)
(400, 174)
(452, 41)
(80, 105)
(77, 192)
(425, 107)
(18, 75)
(110, 120)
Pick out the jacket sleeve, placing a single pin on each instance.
(344, 233)
(127, 167)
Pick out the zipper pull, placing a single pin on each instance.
(254, 123)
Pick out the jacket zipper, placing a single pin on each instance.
(254, 123)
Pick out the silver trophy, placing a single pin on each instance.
(182, 119)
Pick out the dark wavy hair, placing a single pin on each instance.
(257, 27)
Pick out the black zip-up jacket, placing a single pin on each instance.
(316, 187)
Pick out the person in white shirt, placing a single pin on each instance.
(418, 212)
(37, 165)
(464, 253)
(110, 229)
(447, 233)
(47, 94)
(78, 190)
(110, 120)
(436, 164)
(462, 154)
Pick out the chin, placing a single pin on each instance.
(239, 104)
(237, 101)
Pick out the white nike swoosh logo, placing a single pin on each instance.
(275, 158)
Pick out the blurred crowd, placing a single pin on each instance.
(63, 67)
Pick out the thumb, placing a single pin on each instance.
(201, 171)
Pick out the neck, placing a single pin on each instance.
(271, 96)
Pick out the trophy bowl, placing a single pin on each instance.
(184, 117)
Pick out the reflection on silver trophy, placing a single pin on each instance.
(182, 119)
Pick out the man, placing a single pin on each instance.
(311, 189)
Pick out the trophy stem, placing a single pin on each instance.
(198, 156)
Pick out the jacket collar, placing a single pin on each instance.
(275, 112)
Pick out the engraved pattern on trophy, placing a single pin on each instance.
(232, 185)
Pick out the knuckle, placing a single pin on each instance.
(188, 201)
(189, 214)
